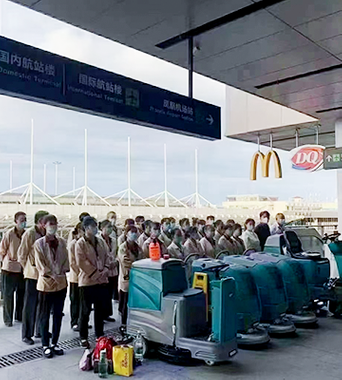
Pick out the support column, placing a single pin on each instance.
(338, 144)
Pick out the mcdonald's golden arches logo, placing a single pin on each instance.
(265, 164)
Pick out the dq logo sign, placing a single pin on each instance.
(307, 157)
(265, 164)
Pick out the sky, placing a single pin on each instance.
(59, 133)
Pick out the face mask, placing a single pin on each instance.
(132, 237)
(113, 221)
(264, 220)
(281, 222)
(51, 230)
(22, 225)
(155, 234)
(178, 240)
(109, 231)
(250, 227)
(237, 233)
(93, 230)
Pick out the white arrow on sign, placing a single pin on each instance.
(210, 120)
(328, 158)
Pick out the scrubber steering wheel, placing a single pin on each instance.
(193, 256)
(216, 268)
(188, 261)
(222, 253)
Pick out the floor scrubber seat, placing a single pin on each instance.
(295, 244)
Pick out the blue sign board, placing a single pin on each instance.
(34, 74)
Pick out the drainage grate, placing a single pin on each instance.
(36, 353)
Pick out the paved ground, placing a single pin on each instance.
(315, 354)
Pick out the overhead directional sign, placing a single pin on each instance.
(333, 158)
(37, 75)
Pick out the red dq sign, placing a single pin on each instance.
(307, 157)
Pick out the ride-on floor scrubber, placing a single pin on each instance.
(296, 286)
(272, 292)
(316, 267)
(175, 317)
(247, 299)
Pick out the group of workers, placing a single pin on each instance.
(35, 262)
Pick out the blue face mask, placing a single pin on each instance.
(22, 225)
(132, 236)
(167, 228)
(178, 239)
(109, 230)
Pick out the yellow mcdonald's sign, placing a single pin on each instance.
(265, 164)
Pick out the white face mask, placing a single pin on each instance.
(93, 230)
(51, 230)
(264, 220)
(281, 222)
(250, 227)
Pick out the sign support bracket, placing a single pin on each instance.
(191, 66)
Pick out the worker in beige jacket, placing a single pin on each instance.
(192, 244)
(239, 243)
(111, 216)
(52, 263)
(226, 243)
(73, 279)
(26, 257)
(12, 272)
(147, 226)
(208, 243)
(173, 224)
(139, 221)
(113, 273)
(154, 236)
(92, 258)
(185, 226)
(165, 235)
(71, 233)
(121, 238)
(176, 249)
(219, 230)
(250, 238)
(129, 252)
(200, 224)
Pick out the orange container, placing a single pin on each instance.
(154, 250)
